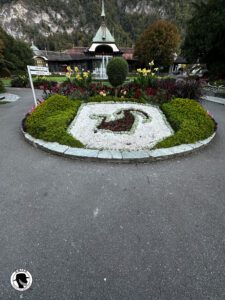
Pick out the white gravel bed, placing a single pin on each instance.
(145, 133)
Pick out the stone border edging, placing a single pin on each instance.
(117, 156)
(214, 99)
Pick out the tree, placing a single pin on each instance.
(2, 46)
(204, 40)
(15, 55)
(158, 42)
(117, 71)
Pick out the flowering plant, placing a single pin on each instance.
(42, 83)
(147, 77)
(103, 93)
(79, 78)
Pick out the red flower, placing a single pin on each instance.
(151, 91)
(138, 94)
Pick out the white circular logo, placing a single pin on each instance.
(21, 280)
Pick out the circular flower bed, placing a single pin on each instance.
(150, 117)
(119, 124)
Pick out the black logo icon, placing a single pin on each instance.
(21, 280)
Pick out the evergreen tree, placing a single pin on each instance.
(205, 40)
(15, 55)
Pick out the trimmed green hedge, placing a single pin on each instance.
(189, 120)
(50, 121)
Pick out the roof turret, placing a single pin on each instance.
(103, 34)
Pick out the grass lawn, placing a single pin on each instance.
(59, 79)
(6, 81)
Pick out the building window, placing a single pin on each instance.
(40, 62)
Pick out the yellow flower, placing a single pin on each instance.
(78, 77)
(85, 74)
(69, 69)
(139, 70)
(76, 69)
(156, 69)
(68, 75)
(146, 72)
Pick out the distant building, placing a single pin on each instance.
(178, 65)
(94, 58)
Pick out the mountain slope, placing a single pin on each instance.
(64, 23)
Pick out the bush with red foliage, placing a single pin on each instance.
(164, 90)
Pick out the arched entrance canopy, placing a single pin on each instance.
(103, 50)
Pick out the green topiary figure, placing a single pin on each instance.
(117, 71)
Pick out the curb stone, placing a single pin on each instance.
(117, 156)
(214, 99)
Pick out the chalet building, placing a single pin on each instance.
(94, 58)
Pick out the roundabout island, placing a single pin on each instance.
(118, 129)
(149, 118)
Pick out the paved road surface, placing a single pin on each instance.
(97, 231)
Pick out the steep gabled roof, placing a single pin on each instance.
(103, 35)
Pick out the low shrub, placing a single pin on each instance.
(21, 81)
(73, 91)
(189, 120)
(219, 82)
(114, 99)
(167, 84)
(44, 84)
(162, 91)
(2, 88)
(188, 88)
(50, 121)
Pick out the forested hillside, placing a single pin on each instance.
(63, 23)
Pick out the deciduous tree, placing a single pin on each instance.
(158, 42)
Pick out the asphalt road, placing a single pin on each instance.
(99, 231)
